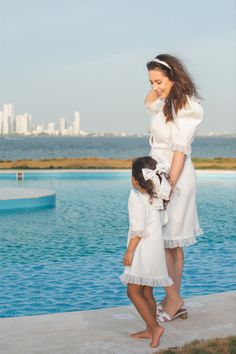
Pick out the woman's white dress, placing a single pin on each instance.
(166, 138)
(149, 263)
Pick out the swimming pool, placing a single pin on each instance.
(69, 258)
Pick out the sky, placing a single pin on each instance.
(60, 56)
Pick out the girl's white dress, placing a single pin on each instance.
(178, 135)
(149, 263)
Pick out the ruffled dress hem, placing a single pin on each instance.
(185, 242)
(145, 281)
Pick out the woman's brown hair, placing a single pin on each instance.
(183, 84)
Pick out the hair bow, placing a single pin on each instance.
(161, 167)
(162, 188)
(149, 174)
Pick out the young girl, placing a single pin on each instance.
(144, 260)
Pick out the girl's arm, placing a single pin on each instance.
(151, 97)
(176, 168)
(128, 257)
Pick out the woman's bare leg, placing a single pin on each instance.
(174, 302)
(170, 267)
(175, 264)
(136, 295)
(175, 261)
(179, 264)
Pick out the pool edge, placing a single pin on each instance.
(95, 170)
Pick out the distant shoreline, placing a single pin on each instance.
(112, 135)
(219, 163)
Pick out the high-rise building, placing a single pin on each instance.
(51, 128)
(76, 123)
(8, 119)
(62, 126)
(23, 124)
(38, 130)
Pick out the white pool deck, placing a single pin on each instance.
(107, 331)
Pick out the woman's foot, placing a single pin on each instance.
(159, 308)
(171, 307)
(173, 310)
(164, 317)
(146, 334)
(163, 302)
(156, 336)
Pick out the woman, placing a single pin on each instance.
(176, 115)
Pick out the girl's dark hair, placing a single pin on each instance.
(182, 83)
(137, 165)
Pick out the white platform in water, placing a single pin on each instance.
(18, 198)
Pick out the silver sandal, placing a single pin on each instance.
(159, 308)
(164, 317)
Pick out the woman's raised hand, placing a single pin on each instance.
(151, 97)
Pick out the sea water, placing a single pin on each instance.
(36, 148)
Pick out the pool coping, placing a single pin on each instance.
(106, 331)
(58, 170)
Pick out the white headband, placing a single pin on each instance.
(160, 62)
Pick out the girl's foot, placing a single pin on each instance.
(146, 334)
(156, 336)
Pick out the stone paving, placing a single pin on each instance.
(107, 331)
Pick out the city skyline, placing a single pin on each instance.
(22, 124)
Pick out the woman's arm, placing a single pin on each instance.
(128, 257)
(176, 168)
(151, 97)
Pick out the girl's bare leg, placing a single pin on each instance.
(136, 295)
(148, 294)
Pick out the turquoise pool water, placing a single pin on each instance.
(69, 258)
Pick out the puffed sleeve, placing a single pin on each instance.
(137, 215)
(185, 126)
